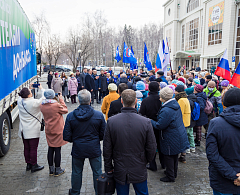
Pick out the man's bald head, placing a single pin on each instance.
(211, 84)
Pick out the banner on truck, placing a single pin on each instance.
(17, 47)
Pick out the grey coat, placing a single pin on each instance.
(57, 84)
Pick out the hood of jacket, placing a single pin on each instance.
(123, 80)
(180, 95)
(202, 95)
(192, 97)
(172, 103)
(232, 115)
(83, 112)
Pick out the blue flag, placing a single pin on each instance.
(128, 56)
(133, 66)
(147, 61)
(117, 57)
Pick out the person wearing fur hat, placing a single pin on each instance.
(112, 88)
(203, 119)
(173, 136)
(53, 110)
(222, 146)
(181, 97)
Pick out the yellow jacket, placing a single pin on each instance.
(186, 111)
(107, 101)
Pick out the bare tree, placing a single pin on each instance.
(56, 48)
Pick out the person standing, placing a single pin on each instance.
(181, 97)
(82, 77)
(97, 86)
(116, 105)
(203, 119)
(72, 87)
(161, 75)
(124, 79)
(79, 81)
(149, 108)
(222, 147)
(89, 84)
(84, 128)
(65, 92)
(152, 75)
(173, 137)
(50, 77)
(104, 85)
(57, 84)
(127, 150)
(109, 98)
(29, 127)
(52, 110)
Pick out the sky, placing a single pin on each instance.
(63, 14)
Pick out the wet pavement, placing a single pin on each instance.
(192, 176)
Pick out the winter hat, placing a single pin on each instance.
(179, 88)
(224, 83)
(139, 94)
(190, 79)
(198, 88)
(161, 73)
(166, 93)
(49, 94)
(153, 86)
(172, 87)
(163, 84)
(140, 86)
(197, 81)
(174, 81)
(182, 79)
(112, 87)
(56, 73)
(180, 83)
(232, 97)
(174, 84)
(24, 92)
(208, 77)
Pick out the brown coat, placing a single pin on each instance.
(54, 122)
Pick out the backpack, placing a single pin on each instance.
(196, 112)
(209, 106)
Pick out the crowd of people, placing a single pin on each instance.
(146, 115)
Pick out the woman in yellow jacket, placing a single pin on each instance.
(109, 98)
(181, 97)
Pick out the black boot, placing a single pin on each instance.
(29, 167)
(166, 179)
(59, 171)
(198, 143)
(182, 158)
(36, 167)
(51, 170)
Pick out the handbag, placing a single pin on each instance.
(42, 123)
(106, 184)
(209, 106)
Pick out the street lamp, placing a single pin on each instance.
(79, 52)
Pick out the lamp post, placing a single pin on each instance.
(79, 53)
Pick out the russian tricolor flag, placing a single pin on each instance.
(236, 77)
(160, 56)
(223, 69)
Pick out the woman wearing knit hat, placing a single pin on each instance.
(112, 88)
(222, 146)
(162, 85)
(191, 89)
(173, 139)
(203, 119)
(225, 87)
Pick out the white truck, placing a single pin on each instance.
(18, 67)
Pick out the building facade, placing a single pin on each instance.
(199, 31)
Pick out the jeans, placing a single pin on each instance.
(140, 188)
(219, 193)
(190, 136)
(77, 169)
(30, 150)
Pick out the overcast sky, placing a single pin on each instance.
(62, 14)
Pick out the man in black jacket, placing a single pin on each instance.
(89, 84)
(104, 85)
(116, 105)
(82, 77)
(124, 79)
(129, 143)
(149, 108)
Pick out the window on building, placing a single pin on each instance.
(168, 35)
(212, 62)
(237, 52)
(215, 34)
(192, 4)
(192, 35)
(183, 34)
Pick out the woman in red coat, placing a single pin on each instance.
(52, 110)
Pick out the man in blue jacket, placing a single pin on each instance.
(97, 84)
(222, 147)
(84, 128)
(161, 75)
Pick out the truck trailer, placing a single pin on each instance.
(18, 66)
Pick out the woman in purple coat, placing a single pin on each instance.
(72, 87)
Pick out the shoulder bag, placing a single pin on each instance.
(42, 123)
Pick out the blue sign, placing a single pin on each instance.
(233, 59)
